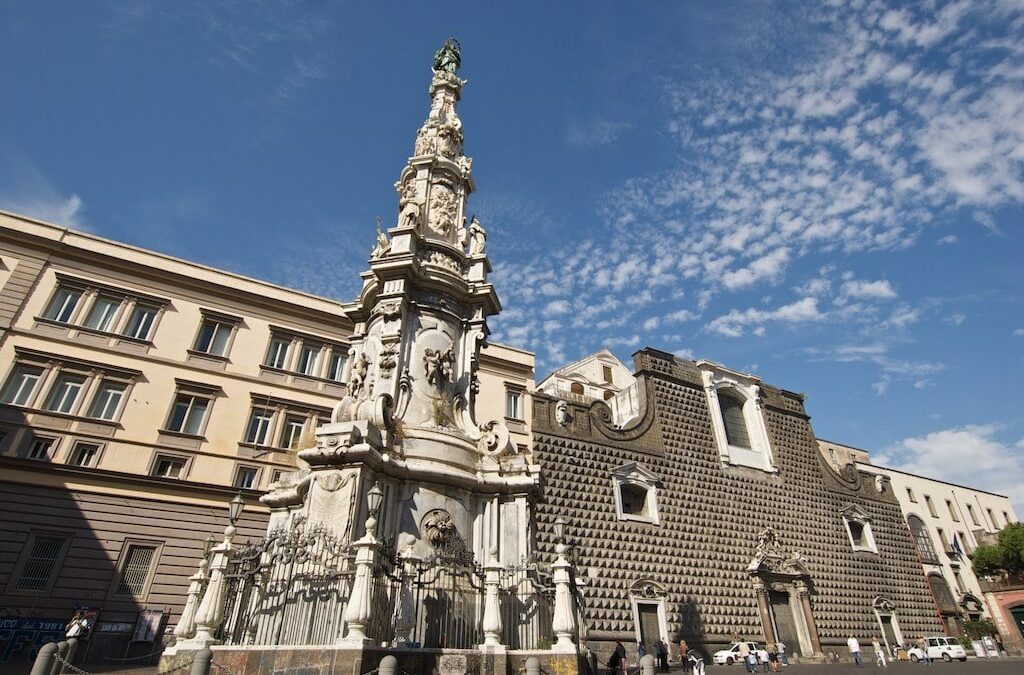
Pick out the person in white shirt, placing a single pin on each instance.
(879, 654)
(854, 646)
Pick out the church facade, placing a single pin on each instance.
(712, 516)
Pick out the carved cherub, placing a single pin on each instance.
(357, 378)
(438, 365)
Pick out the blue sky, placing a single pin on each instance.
(829, 196)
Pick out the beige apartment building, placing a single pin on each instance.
(947, 521)
(139, 394)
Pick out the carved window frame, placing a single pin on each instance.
(635, 475)
(747, 389)
(855, 514)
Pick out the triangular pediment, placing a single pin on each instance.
(855, 512)
(636, 472)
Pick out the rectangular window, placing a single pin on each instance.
(277, 355)
(213, 337)
(958, 580)
(64, 394)
(1006, 518)
(21, 385)
(309, 359)
(952, 511)
(169, 467)
(140, 323)
(188, 414)
(84, 454)
(991, 518)
(942, 538)
(63, 305)
(276, 475)
(931, 507)
(135, 573)
(973, 515)
(259, 426)
(107, 402)
(336, 368)
(607, 372)
(910, 495)
(245, 477)
(513, 404)
(41, 563)
(104, 311)
(41, 448)
(291, 431)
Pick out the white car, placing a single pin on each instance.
(727, 657)
(939, 647)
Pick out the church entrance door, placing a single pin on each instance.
(650, 625)
(888, 631)
(782, 616)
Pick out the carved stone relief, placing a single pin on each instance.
(444, 208)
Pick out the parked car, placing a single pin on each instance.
(939, 647)
(727, 657)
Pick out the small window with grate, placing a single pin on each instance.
(135, 573)
(44, 553)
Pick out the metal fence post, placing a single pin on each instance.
(45, 658)
(201, 662)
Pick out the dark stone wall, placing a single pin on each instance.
(711, 516)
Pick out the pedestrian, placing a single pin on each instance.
(744, 653)
(783, 659)
(923, 645)
(641, 650)
(773, 658)
(752, 661)
(613, 662)
(762, 658)
(854, 646)
(879, 654)
(684, 654)
(620, 650)
(661, 651)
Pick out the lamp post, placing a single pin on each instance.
(562, 622)
(211, 610)
(360, 606)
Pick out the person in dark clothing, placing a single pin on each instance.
(661, 652)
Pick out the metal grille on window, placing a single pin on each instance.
(35, 575)
(136, 570)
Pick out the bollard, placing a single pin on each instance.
(62, 652)
(45, 658)
(72, 649)
(201, 662)
(647, 664)
(533, 666)
(388, 665)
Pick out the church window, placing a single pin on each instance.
(736, 418)
(636, 493)
(607, 372)
(858, 528)
(609, 395)
(576, 388)
(732, 416)
(925, 548)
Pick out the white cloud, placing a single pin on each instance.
(876, 290)
(26, 191)
(736, 322)
(948, 239)
(557, 307)
(766, 268)
(1019, 332)
(994, 464)
(601, 132)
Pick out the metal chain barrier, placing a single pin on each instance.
(78, 671)
(65, 664)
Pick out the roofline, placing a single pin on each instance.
(868, 467)
(65, 231)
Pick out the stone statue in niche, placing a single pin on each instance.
(383, 243)
(443, 208)
(562, 415)
(357, 378)
(410, 215)
(438, 365)
(478, 238)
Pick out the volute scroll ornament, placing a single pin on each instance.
(495, 440)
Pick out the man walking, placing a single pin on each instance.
(879, 654)
(661, 651)
(854, 646)
(744, 654)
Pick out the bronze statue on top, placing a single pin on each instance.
(449, 57)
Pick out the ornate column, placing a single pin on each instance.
(211, 609)
(492, 610)
(186, 627)
(562, 622)
(360, 606)
(765, 610)
(804, 597)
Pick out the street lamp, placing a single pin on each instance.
(374, 498)
(235, 508)
(560, 530)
